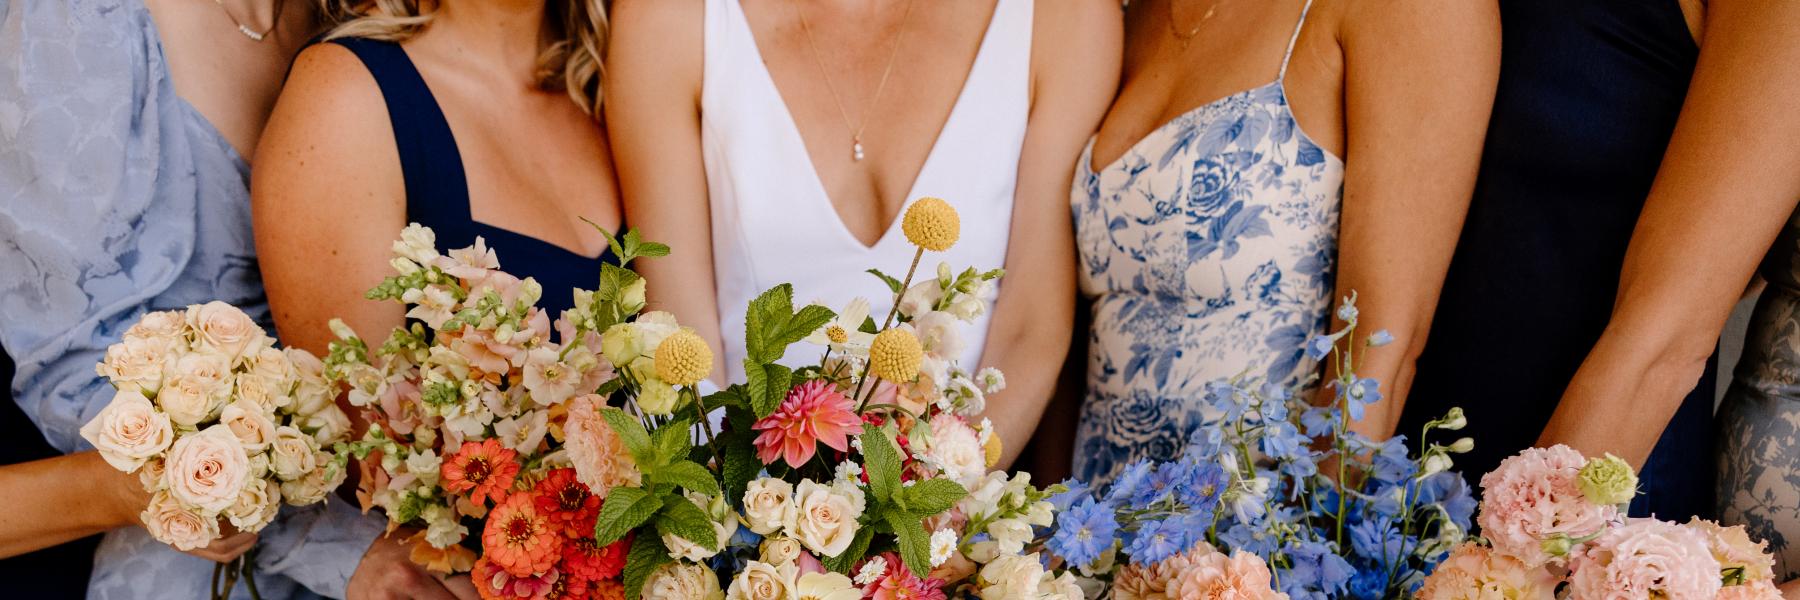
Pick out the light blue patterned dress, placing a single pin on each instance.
(117, 198)
(1207, 249)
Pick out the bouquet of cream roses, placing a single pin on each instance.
(217, 423)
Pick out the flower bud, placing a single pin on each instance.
(1453, 420)
(1608, 480)
(1461, 445)
(1557, 545)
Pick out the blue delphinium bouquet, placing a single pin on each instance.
(1332, 513)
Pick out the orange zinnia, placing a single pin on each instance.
(519, 539)
(482, 469)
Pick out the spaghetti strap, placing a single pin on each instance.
(1282, 75)
(430, 162)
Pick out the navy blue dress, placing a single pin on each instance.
(1588, 96)
(437, 189)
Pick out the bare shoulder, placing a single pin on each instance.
(1074, 38)
(330, 101)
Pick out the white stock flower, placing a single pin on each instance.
(940, 334)
(442, 528)
(433, 304)
(1012, 577)
(129, 431)
(525, 432)
(769, 506)
(547, 378)
(417, 243)
(1010, 535)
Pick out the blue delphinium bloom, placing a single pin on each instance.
(1274, 402)
(1204, 485)
(1239, 536)
(1380, 338)
(1155, 541)
(1391, 461)
(1319, 347)
(745, 538)
(1361, 392)
(1379, 541)
(1314, 571)
(1319, 421)
(1084, 532)
(1077, 490)
(1158, 487)
(1449, 490)
(1204, 445)
(1134, 476)
(1282, 441)
(1228, 400)
(1369, 582)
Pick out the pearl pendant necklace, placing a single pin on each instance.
(856, 151)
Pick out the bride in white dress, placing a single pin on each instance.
(777, 141)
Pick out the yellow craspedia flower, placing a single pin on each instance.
(683, 359)
(895, 355)
(932, 224)
(991, 450)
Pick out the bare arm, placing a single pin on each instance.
(1419, 78)
(1073, 81)
(68, 497)
(653, 73)
(328, 201)
(1727, 184)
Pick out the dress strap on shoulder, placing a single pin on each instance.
(1295, 39)
(429, 159)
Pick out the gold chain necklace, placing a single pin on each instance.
(856, 129)
(246, 30)
(1187, 36)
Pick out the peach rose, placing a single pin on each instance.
(164, 325)
(138, 362)
(171, 524)
(224, 327)
(312, 487)
(129, 431)
(255, 507)
(208, 469)
(250, 422)
(768, 505)
(825, 518)
(291, 455)
(151, 475)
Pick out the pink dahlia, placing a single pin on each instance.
(1645, 559)
(1535, 496)
(1476, 572)
(899, 583)
(813, 412)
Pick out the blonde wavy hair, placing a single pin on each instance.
(569, 60)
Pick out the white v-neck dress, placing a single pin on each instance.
(772, 222)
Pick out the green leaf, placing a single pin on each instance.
(672, 441)
(681, 518)
(764, 320)
(930, 497)
(637, 441)
(652, 250)
(882, 460)
(740, 467)
(729, 397)
(647, 555)
(869, 326)
(768, 385)
(610, 387)
(689, 475)
(611, 241)
(810, 318)
(914, 544)
(858, 548)
(892, 284)
(625, 509)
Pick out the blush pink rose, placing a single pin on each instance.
(1645, 559)
(207, 469)
(171, 523)
(129, 431)
(1534, 496)
(223, 327)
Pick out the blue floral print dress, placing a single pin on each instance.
(1208, 250)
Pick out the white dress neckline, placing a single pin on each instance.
(798, 141)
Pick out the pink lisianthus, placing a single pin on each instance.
(1535, 496)
(1734, 550)
(901, 584)
(813, 413)
(1476, 572)
(1242, 576)
(1645, 559)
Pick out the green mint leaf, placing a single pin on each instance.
(767, 316)
(892, 284)
(681, 518)
(625, 509)
(672, 441)
(912, 541)
(647, 555)
(930, 497)
(768, 385)
(688, 475)
(637, 440)
(882, 460)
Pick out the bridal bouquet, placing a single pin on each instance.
(217, 423)
(1554, 520)
(1275, 497)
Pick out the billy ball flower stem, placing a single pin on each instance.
(930, 224)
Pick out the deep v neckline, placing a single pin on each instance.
(812, 168)
(1087, 156)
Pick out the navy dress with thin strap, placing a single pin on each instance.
(1588, 97)
(437, 188)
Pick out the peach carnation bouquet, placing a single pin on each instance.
(218, 424)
